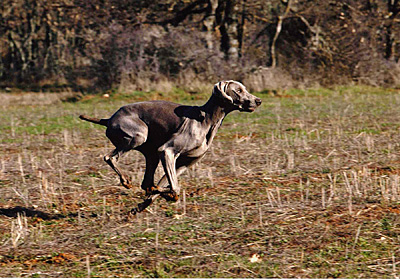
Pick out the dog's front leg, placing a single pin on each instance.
(146, 203)
(163, 189)
(168, 159)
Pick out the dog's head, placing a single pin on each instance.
(235, 95)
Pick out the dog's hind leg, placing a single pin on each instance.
(124, 137)
(111, 159)
(152, 161)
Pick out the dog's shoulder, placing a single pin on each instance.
(191, 112)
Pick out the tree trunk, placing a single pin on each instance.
(229, 31)
(241, 27)
(277, 32)
(393, 11)
(209, 23)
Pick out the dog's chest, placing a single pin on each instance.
(197, 151)
(201, 139)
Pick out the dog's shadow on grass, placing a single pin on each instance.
(30, 212)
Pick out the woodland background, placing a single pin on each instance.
(148, 45)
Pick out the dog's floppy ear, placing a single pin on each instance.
(220, 90)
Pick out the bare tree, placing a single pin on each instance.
(278, 31)
(393, 10)
(105, 41)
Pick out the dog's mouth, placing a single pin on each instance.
(250, 106)
(247, 109)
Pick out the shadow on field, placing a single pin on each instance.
(29, 212)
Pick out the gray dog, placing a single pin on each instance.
(177, 135)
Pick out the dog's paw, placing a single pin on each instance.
(126, 183)
(151, 191)
(143, 205)
(170, 196)
(133, 212)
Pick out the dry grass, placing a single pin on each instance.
(307, 186)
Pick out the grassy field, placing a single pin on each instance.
(306, 186)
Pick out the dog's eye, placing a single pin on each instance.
(239, 90)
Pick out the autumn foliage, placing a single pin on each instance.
(103, 44)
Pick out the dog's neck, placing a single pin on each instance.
(215, 110)
(214, 113)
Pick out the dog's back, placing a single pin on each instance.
(160, 119)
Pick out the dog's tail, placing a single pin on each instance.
(103, 122)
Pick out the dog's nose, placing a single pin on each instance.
(258, 101)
